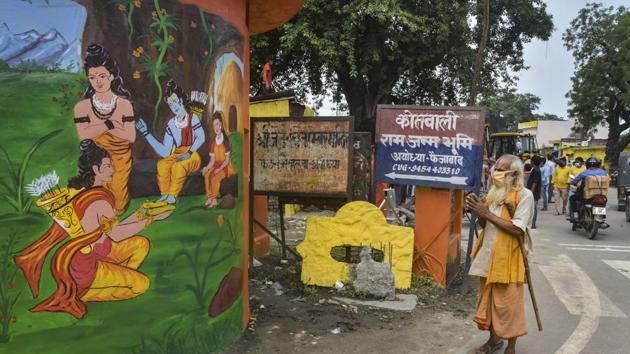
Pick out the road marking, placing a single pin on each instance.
(565, 284)
(588, 295)
(592, 245)
(622, 267)
(598, 249)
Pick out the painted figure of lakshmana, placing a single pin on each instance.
(106, 116)
(183, 137)
(99, 256)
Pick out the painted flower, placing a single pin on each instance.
(136, 74)
(138, 3)
(122, 8)
(138, 52)
(153, 13)
(193, 24)
(10, 285)
(220, 220)
(13, 319)
(180, 59)
(163, 11)
(205, 53)
(171, 39)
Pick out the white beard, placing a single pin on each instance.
(496, 195)
(181, 122)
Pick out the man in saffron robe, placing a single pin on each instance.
(98, 261)
(505, 216)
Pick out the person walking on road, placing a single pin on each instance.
(546, 173)
(505, 215)
(534, 185)
(560, 182)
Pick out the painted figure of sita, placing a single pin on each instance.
(220, 165)
(183, 137)
(106, 116)
(99, 256)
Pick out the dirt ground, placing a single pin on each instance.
(288, 317)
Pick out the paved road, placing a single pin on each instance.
(582, 287)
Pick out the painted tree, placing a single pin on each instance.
(398, 51)
(599, 40)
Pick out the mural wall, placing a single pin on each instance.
(121, 176)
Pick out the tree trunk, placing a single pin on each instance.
(480, 53)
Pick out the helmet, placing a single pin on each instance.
(593, 162)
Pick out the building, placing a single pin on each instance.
(549, 132)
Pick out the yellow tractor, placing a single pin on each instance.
(519, 144)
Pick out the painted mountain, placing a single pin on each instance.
(46, 49)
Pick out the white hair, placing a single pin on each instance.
(497, 195)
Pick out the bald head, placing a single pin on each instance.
(505, 162)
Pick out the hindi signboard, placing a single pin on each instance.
(439, 147)
(302, 156)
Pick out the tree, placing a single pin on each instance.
(508, 108)
(398, 51)
(600, 93)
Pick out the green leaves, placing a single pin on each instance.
(13, 186)
(396, 51)
(598, 39)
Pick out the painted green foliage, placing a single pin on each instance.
(191, 252)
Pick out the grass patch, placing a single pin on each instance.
(139, 325)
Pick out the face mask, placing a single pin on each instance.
(498, 178)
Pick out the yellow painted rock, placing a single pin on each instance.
(356, 224)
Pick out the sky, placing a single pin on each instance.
(551, 65)
(64, 15)
(549, 76)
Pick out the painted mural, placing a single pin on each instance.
(121, 177)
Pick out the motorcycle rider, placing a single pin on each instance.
(593, 168)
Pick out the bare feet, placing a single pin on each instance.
(511, 347)
(211, 203)
(489, 347)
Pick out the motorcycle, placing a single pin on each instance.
(591, 215)
(624, 199)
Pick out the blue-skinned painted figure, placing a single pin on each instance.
(184, 135)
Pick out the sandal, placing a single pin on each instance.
(489, 348)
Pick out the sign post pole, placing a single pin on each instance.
(440, 149)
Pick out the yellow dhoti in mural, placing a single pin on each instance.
(120, 151)
(171, 174)
(117, 277)
(213, 180)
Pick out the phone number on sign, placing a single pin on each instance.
(438, 170)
